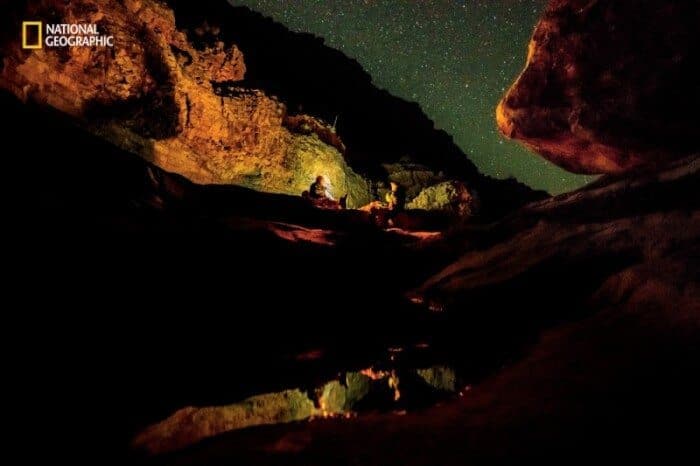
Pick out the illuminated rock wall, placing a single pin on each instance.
(177, 105)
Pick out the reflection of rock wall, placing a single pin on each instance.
(609, 85)
(440, 377)
(334, 398)
(154, 94)
(190, 425)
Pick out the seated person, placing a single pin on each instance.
(396, 198)
(319, 189)
(396, 203)
(320, 196)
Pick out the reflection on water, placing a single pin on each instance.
(397, 382)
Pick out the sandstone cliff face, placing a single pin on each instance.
(609, 85)
(177, 106)
(223, 95)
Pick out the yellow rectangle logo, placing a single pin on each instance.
(29, 42)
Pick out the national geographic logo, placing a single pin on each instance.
(36, 35)
(31, 34)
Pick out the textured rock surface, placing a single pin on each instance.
(609, 85)
(176, 105)
(626, 223)
(450, 196)
(411, 176)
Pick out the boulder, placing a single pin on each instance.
(609, 86)
(450, 196)
(411, 176)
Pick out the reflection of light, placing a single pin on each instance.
(392, 379)
(436, 307)
(323, 410)
(394, 383)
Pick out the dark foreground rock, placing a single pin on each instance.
(607, 310)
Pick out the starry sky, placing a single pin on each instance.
(455, 58)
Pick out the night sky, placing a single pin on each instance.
(455, 58)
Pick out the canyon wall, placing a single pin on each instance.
(176, 105)
(223, 95)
